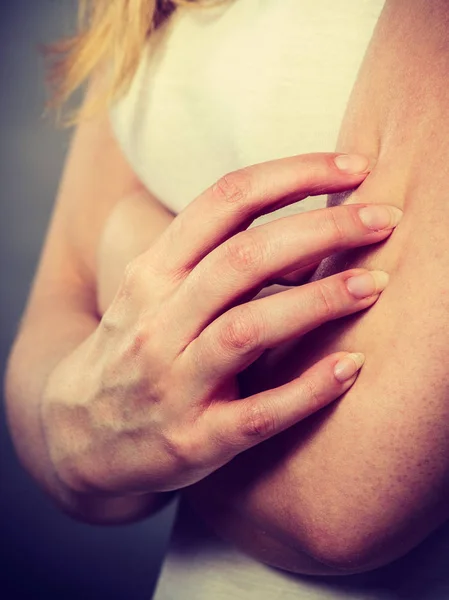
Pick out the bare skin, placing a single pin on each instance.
(69, 398)
(62, 311)
(370, 472)
(258, 502)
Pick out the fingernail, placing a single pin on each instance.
(377, 217)
(367, 284)
(348, 366)
(352, 163)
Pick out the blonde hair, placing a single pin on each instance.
(111, 34)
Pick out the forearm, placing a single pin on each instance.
(47, 335)
(231, 509)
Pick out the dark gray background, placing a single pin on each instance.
(44, 554)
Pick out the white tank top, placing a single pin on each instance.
(222, 88)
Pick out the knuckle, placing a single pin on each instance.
(335, 224)
(312, 394)
(258, 421)
(110, 323)
(242, 331)
(131, 274)
(138, 345)
(244, 252)
(234, 187)
(185, 447)
(325, 300)
(140, 276)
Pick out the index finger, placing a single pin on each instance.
(238, 198)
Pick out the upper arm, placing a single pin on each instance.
(95, 177)
(373, 468)
(368, 475)
(365, 479)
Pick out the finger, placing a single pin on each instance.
(251, 258)
(236, 339)
(240, 424)
(234, 201)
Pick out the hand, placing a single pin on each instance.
(150, 402)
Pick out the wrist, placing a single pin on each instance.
(111, 510)
(63, 417)
(60, 410)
